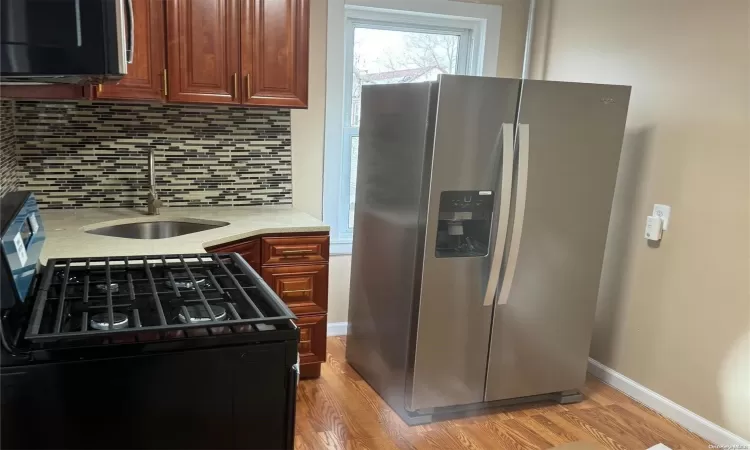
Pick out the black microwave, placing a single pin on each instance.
(65, 41)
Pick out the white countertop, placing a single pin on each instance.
(67, 237)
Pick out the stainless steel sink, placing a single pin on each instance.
(155, 230)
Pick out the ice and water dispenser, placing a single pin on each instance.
(464, 223)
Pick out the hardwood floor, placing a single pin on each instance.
(340, 411)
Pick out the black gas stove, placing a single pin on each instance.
(160, 351)
(141, 299)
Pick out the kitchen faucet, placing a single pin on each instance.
(153, 201)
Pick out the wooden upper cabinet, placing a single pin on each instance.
(203, 38)
(144, 80)
(251, 52)
(275, 50)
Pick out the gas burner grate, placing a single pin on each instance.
(155, 293)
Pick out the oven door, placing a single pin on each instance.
(234, 397)
(64, 40)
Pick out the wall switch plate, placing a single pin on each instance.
(654, 227)
(663, 212)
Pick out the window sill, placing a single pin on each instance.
(341, 248)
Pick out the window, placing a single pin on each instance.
(383, 46)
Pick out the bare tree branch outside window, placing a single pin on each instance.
(417, 57)
(387, 57)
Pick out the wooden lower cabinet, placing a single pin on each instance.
(303, 288)
(295, 266)
(312, 344)
(249, 250)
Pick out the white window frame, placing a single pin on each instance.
(483, 25)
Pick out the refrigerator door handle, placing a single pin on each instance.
(520, 208)
(505, 187)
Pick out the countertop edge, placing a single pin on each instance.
(212, 243)
(263, 231)
(68, 233)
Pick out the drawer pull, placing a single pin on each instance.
(166, 83)
(297, 252)
(298, 291)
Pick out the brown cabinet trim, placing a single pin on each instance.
(309, 370)
(43, 92)
(260, 236)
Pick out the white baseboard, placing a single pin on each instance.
(337, 328)
(666, 407)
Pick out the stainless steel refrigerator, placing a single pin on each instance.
(482, 208)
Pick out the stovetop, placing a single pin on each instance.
(147, 298)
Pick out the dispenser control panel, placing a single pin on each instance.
(464, 224)
(477, 204)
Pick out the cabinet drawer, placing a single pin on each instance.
(295, 250)
(312, 339)
(249, 250)
(303, 288)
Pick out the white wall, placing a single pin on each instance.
(676, 318)
(308, 127)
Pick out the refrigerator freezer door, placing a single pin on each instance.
(395, 142)
(453, 328)
(543, 321)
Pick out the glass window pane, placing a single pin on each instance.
(392, 56)
(353, 178)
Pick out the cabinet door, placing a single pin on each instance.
(312, 339)
(303, 288)
(203, 47)
(144, 80)
(275, 52)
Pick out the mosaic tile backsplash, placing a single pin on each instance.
(85, 154)
(8, 169)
